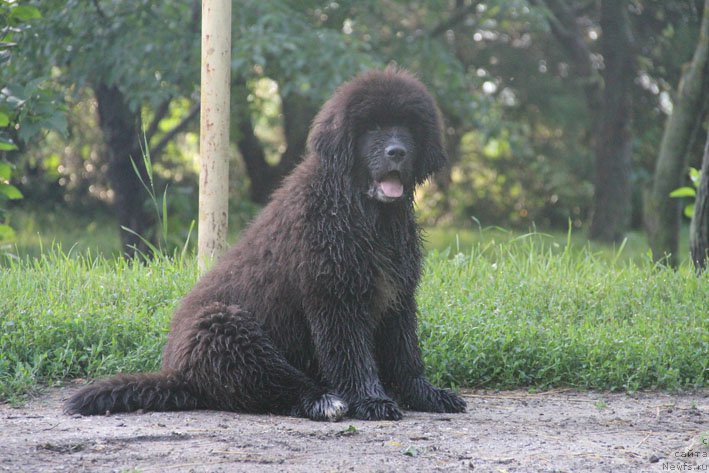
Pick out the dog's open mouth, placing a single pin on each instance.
(390, 186)
(387, 188)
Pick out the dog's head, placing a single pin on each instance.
(384, 161)
(383, 127)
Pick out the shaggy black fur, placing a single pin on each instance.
(313, 313)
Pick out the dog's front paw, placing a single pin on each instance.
(324, 407)
(375, 409)
(422, 396)
(448, 401)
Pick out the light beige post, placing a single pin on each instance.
(214, 130)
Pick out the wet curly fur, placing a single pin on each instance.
(313, 313)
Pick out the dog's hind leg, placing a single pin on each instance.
(233, 365)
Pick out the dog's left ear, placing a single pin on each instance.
(433, 156)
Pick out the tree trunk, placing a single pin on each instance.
(261, 174)
(612, 195)
(662, 213)
(298, 112)
(608, 101)
(699, 230)
(121, 132)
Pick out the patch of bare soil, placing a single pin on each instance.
(505, 431)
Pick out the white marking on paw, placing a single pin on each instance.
(331, 407)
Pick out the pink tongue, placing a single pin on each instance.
(392, 187)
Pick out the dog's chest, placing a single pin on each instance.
(389, 275)
(391, 263)
(387, 292)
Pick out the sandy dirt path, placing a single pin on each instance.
(501, 432)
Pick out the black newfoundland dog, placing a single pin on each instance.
(313, 313)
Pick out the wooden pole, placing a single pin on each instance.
(214, 130)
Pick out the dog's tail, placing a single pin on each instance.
(125, 393)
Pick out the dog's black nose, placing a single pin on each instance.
(396, 152)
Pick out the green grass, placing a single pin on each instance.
(38, 229)
(78, 233)
(635, 246)
(527, 312)
(64, 317)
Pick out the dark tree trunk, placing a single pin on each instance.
(261, 174)
(298, 112)
(121, 132)
(662, 213)
(699, 230)
(608, 101)
(612, 196)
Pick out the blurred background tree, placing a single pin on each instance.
(554, 110)
(682, 133)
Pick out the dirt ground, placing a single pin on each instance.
(501, 432)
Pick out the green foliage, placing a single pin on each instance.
(18, 112)
(77, 46)
(35, 109)
(685, 191)
(27, 106)
(518, 313)
(7, 192)
(515, 111)
(127, 46)
(17, 14)
(278, 39)
(146, 48)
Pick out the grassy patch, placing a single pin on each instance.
(97, 232)
(64, 317)
(635, 246)
(39, 229)
(524, 312)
